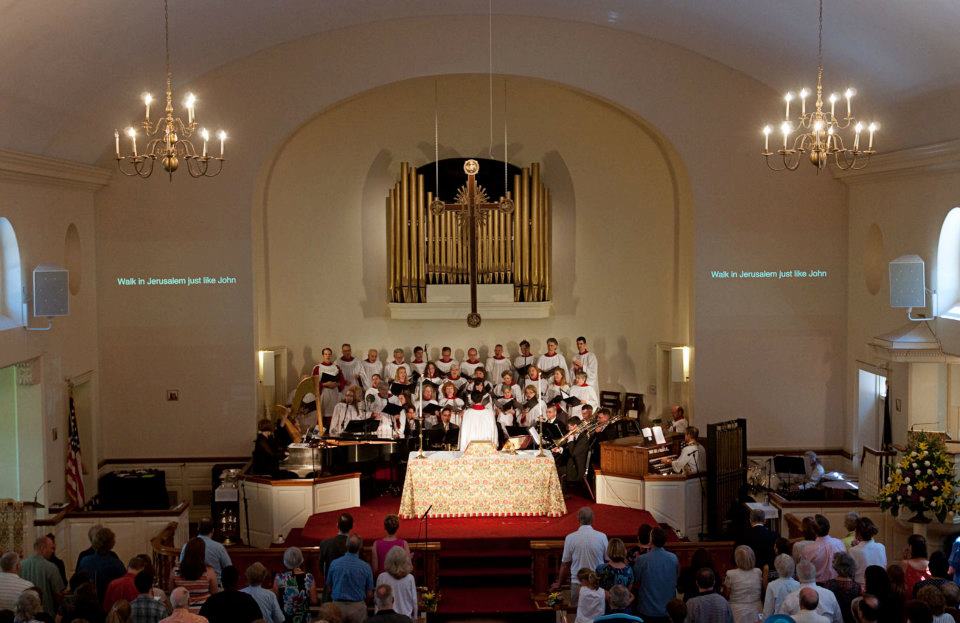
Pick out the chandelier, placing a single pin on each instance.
(818, 133)
(168, 137)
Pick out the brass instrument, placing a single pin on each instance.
(587, 427)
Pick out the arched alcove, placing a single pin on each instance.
(948, 266)
(11, 275)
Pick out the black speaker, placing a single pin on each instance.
(51, 291)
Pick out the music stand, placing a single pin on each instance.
(789, 469)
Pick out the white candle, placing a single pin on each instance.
(147, 98)
(787, 98)
(133, 141)
(856, 139)
(803, 101)
(833, 105)
(872, 128)
(206, 137)
(223, 137)
(849, 93)
(785, 128)
(766, 138)
(116, 141)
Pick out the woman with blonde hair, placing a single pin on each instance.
(398, 575)
(450, 399)
(616, 571)
(743, 586)
(592, 599)
(119, 612)
(346, 411)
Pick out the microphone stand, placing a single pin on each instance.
(420, 454)
(540, 419)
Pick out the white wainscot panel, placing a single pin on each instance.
(617, 491)
(336, 495)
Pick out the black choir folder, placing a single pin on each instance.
(328, 378)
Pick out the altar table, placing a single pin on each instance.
(481, 482)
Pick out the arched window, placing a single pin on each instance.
(948, 267)
(11, 278)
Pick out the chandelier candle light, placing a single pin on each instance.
(818, 133)
(168, 137)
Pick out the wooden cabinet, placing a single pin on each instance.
(628, 456)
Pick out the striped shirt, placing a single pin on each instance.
(11, 586)
(199, 589)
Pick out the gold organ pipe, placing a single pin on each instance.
(405, 231)
(421, 243)
(396, 241)
(430, 236)
(525, 234)
(536, 223)
(391, 247)
(516, 238)
(541, 233)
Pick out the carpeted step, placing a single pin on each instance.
(486, 571)
(485, 600)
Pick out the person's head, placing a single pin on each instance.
(658, 537)
(329, 612)
(431, 370)
(573, 423)
(449, 390)
(10, 562)
(603, 415)
(552, 346)
(372, 355)
(354, 543)
(92, 531)
(401, 375)
(194, 563)
(806, 572)
(135, 565)
(917, 544)
(445, 414)
(327, 355)
(706, 579)
(616, 550)
(585, 516)
(691, 434)
(850, 521)
(472, 355)
(868, 609)
(559, 378)
(933, 597)
(581, 345)
(580, 377)
(844, 565)
(498, 351)
(292, 558)
(78, 579)
(876, 581)
(256, 574)
(351, 395)
(951, 594)
(533, 373)
(898, 579)
(701, 558)
(144, 582)
(180, 598)
(397, 563)
(205, 527)
(809, 599)
(28, 606)
(480, 374)
(865, 529)
(398, 355)
(823, 525)
(552, 412)
(455, 371)
(530, 392)
(344, 523)
(375, 380)
(346, 351)
(418, 353)
(677, 610)
(229, 578)
(643, 533)
(917, 611)
(757, 517)
(428, 392)
(264, 427)
(785, 565)
(120, 611)
(812, 458)
(744, 557)
(782, 546)
(507, 391)
(586, 411)
(525, 348)
(383, 389)
(587, 577)
(383, 597)
(445, 353)
(677, 412)
(620, 598)
(809, 529)
(43, 547)
(939, 565)
(391, 523)
(507, 376)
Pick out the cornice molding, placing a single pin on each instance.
(933, 158)
(32, 169)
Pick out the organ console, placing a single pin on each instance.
(638, 457)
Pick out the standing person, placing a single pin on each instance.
(446, 361)
(955, 561)
(296, 588)
(916, 566)
(450, 399)
(195, 575)
(498, 363)
(351, 582)
(349, 366)
(808, 528)
(867, 551)
(334, 547)
(81, 604)
(809, 600)
(585, 393)
(399, 361)
(523, 361)
(591, 600)
(615, 572)
(215, 554)
(708, 606)
(778, 589)
(679, 420)
(146, 608)
(744, 586)
(850, 524)
(479, 421)
(469, 367)
(43, 574)
(124, 587)
(369, 367)
(656, 573)
(760, 539)
(877, 583)
(553, 359)
(419, 363)
(586, 362)
(28, 608)
(558, 387)
(585, 548)
(827, 603)
(844, 587)
(383, 603)
(398, 574)
(821, 552)
(383, 545)
(61, 567)
(267, 600)
(231, 605)
(180, 600)
(330, 378)
(938, 573)
(11, 584)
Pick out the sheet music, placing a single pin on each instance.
(533, 433)
(647, 433)
(658, 435)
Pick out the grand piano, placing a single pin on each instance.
(338, 456)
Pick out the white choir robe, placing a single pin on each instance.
(350, 371)
(541, 385)
(522, 362)
(343, 414)
(588, 363)
(587, 395)
(367, 370)
(436, 381)
(389, 428)
(546, 363)
(456, 405)
(467, 368)
(517, 394)
(390, 370)
(419, 366)
(479, 424)
(556, 390)
(496, 367)
(458, 382)
(329, 396)
(532, 416)
(428, 420)
(678, 426)
(692, 460)
(444, 366)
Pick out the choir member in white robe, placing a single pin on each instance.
(450, 399)
(392, 425)
(419, 363)
(507, 407)
(468, 367)
(679, 424)
(524, 360)
(558, 386)
(455, 377)
(370, 366)
(330, 390)
(534, 380)
(498, 363)
(346, 411)
(349, 366)
(390, 368)
(376, 399)
(585, 392)
(429, 398)
(552, 359)
(507, 380)
(446, 361)
(431, 374)
(693, 456)
(586, 361)
(479, 421)
(531, 407)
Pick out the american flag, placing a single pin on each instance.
(74, 471)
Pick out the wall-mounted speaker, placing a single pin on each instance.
(51, 291)
(907, 282)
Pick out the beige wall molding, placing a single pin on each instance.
(31, 169)
(933, 158)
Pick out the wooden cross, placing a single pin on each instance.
(471, 210)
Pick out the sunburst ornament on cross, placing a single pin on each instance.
(471, 209)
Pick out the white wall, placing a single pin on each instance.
(771, 351)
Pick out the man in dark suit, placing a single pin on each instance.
(334, 547)
(451, 432)
(266, 452)
(573, 454)
(760, 539)
(383, 602)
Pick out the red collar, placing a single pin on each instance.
(498, 358)
(583, 385)
(585, 352)
(448, 360)
(419, 361)
(478, 407)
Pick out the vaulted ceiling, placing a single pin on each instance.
(65, 62)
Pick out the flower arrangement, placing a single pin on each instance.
(429, 600)
(922, 481)
(555, 599)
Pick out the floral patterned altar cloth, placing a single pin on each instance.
(481, 482)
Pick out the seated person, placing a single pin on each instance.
(454, 377)
(508, 380)
(451, 432)
(558, 386)
(524, 360)
(480, 379)
(267, 453)
(572, 455)
(693, 456)
(431, 374)
(419, 363)
(450, 399)
(346, 411)
(585, 393)
(532, 408)
(815, 470)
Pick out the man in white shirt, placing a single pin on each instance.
(498, 364)
(584, 548)
(867, 552)
(552, 359)
(349, 366)
(586, 361)
(369, 367)
(523, 361)
(11, 584)
(808, 607)
(814, 470)
(390, 369)
(468, 367)
(446, 361)
(827, 602)
(693, 456)
(679, 424)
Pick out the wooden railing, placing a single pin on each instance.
(546, 556)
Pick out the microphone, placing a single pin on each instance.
(427, 512)
(37, 492)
